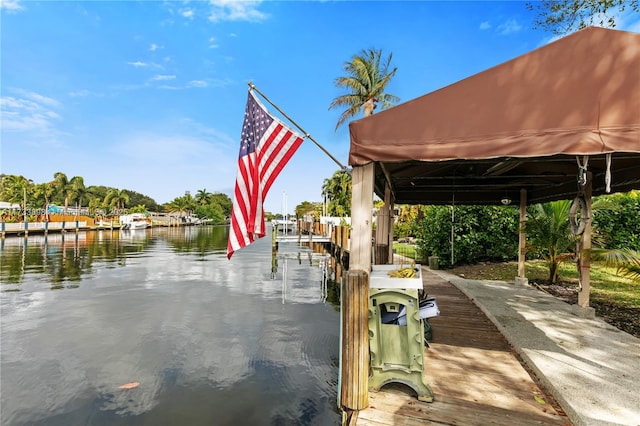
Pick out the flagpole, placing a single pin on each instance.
(306, 135)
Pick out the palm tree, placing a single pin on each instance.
(366, 80)
(203, 197)
(548, 226)
(45, 191)
(179, 204)
(337, 189)
(61, 183)
(117, 198)
(77, 191)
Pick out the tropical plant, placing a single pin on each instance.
(627, 261)
(566, 16)
(337, 190)
(203, 197)
(118, 198)
(77, 192)
(182, 204)
(548, 231)
(61, 183)
(304, 208)
(367, 78)
(44, 192)
(140, 208)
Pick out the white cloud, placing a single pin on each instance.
(32, 114)
(162, 77)
(212, 43)
(508, 27)
(187, 13)
(12, 6)
(197, 83)
(233, 10)
(155, 47)
(36, 97)
(485, 25)
(140, 64)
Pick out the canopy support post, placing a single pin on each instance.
(583, 309)
(383, 239)
(521, 279)
(354, 391)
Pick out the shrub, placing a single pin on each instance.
(481, 233)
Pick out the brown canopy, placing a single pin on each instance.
(519, 125)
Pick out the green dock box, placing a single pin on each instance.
(396, 332)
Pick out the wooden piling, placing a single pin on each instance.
(354, 394)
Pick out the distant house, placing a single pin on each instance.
(9, 206)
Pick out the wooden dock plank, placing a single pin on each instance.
(476, 377)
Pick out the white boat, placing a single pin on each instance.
(134, 221)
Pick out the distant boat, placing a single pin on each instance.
(134, 221)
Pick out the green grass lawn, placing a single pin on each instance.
(406, 250)
(606, 284)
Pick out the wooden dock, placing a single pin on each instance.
(475, 376)
(302, 238)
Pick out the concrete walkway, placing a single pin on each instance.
(589, 366)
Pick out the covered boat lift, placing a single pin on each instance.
(560, 122)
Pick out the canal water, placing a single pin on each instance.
(197, 339)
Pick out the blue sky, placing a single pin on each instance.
(150, 95)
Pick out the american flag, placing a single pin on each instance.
(266, 145)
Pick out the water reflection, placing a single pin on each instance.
(69, 256)
(211, 341)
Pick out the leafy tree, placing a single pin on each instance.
(481, 233)
(223, 201)
(136, 198)
(616, 221)
(337, 190)
(140, 208)
(11, 188)
(367, 78)
(408, 222)
(212, 211)
(562, 17)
